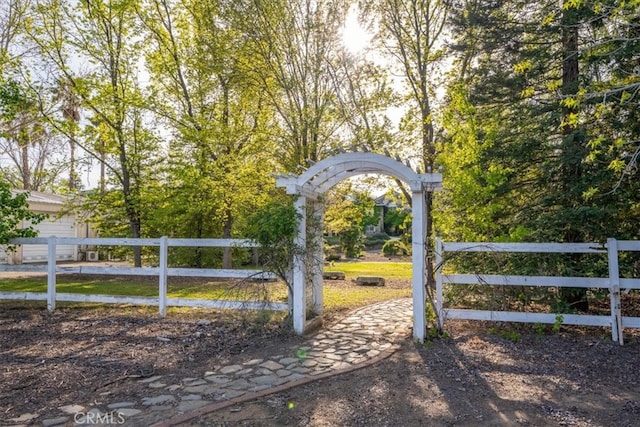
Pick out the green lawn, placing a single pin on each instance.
(388, 270)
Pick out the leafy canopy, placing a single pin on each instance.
(13, 210)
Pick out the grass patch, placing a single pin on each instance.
(145, 287)
(388, 270)
(339, 298)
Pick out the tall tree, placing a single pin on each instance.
(102, 36)
(297, 44)
(541, 81)
(411, 34)
(217, 116)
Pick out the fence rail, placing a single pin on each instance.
(163, 271)
(614, 283)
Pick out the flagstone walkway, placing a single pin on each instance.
(363, 337)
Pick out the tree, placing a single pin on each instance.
(202, 92)
(540, 149)
(347, 214)
(26, 141)
(14, 211)
(102, 34)
(296, 44)
(411, 33)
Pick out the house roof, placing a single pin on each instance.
(47, 198)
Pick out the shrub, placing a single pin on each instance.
(376, 240)
(395, 247)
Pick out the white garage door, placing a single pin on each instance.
(60, 227)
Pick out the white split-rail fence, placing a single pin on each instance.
(163, 271)
(614, 283)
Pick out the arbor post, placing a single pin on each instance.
(418, 230)
(317, 256)
(300, 269)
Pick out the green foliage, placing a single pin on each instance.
(347, 214)
(395, 221)
(275, 227)
(558, 323)
(14, 209)
(376, 240)
(395, 247)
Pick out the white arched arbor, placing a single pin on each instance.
(311, 185)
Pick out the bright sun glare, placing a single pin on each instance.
(354, 37)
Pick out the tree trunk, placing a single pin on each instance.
(572, 146)
(26, 172)
(72, 165)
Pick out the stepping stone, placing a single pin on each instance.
(196, 389)
(119, 405)
(369, 281)
(332, 356)
(295, 377)
(192, 397)
(157, 384)
(240, 384)
(51, 422)
(340, 365)
(24, 417)
(265, 380)
(333, 275)
(163, 399)
(95, 417)
(232, 394)
(271, 365)
(288, 361)
(218, 379)
(253, 362)
(128, 412)
(231, 369)
(174, 387)
(72, 409)
(259, 388)
(190, 405)
(150, 379)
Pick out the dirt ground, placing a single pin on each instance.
(483, 374)
(475, 378)
(479, 376)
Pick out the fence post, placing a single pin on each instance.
(439, 293)
(162, 276)
(51, 273)
(614, 291)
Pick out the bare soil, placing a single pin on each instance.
(475, 378)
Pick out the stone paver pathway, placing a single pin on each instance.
(364, 336)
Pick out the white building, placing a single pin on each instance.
(61, 222)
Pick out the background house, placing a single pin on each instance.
(61, 223)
